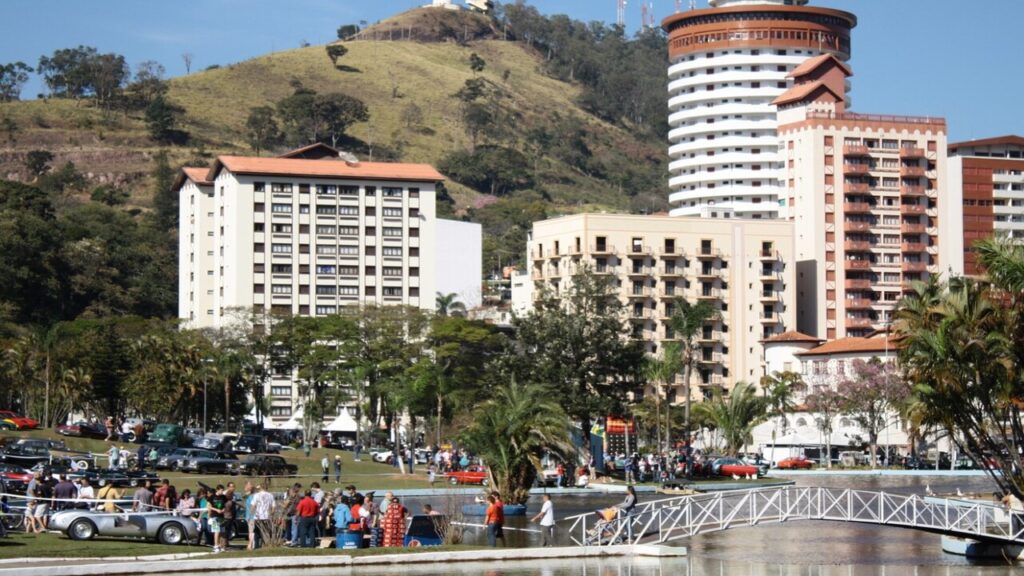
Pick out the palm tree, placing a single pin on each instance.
(734, 417)
(511, 432)
(662, 372)
(779, 390)
(449, 305)
(687, 323)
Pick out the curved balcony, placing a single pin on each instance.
(767, 139)
(856, 169)
(910, 152)
(856, 188)
(854, 226)
(913, 209)
(856, 150)
(857, 265)
(675, 118)
(745, 57)
(911, 171)
(857, 207)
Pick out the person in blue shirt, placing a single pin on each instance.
(342, 517)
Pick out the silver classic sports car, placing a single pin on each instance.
(163, 527)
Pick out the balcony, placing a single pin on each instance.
(640, 250)
(710, 338)
(854, 226)
(858, 304)
(858, 284)
(858, 264)
(602, 249)
(908, 228)
(605, 270)
(714, 358)
(857, 207)
(554, 255)
(639, 293)
(911, 152)
(675, 252)
(712, 294)
(770, 255)
(857, 246)
(673, 272)
(771, 296)
(576, 251)
(913, 209)
(914, 247)
(914, 267)
(855, 150)
(914, 191)
(537, 254)
(641, 315)
(709, 253)
(911, 171)
(770, 275)
(670, 295)
(770, 317)
(858, 322)
(709, 273)
(856, 169)
(640, 271)
(856, 188)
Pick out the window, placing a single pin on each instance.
(280, 268)
(414, 272)
(281, 228)
(392, 291)
(257, 247)
(280, 390)
(392, 212)
(348, 270)
(348, 290)
(281, 208)
(348, 190)
(391, 192)
(327, 210)
(259, 207)
(280, 188)
(327, 230)
(281, 289)
(326, 290)
(392, 251)
(391, 271)
(280, 410)
(348, 231)
(326, 249)
(259, 186)
(326, 269)
(392, 232)
(348, 250)
(281, 248)
(370, 190)
(326, 189)
(348, 211)
(326, 310)
(303, 208)
(370, 230)
(257, 288)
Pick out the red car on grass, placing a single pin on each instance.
(795, 463)
(474, 474)
(21, 422)
(15, 477)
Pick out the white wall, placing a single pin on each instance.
(459, 261)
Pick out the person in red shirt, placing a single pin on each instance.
(307, 511)
(495, 520)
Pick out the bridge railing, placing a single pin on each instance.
(678, 517)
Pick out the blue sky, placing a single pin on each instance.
(955, 58)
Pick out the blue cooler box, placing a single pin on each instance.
(349, 540)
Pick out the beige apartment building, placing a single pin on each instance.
(743, 268)
(867, 195)
(309, 233)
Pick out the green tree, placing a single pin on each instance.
(579, 344)
(449, 305)
(334, 52)
(109, 195)
(779, 388)
(687, 323)
(412, 115)
(262, 129)
(494, 170)
(336, 113)
(167, 373)
(12, 77)
(512, 431)
(662, 371)
(165, 199)
(872, 394)
(38, 162)
(735, 417)
(29, 255)
(476, 63)
(346, 31)
(162, 120)
(825, 403)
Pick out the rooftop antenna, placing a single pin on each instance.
(620, 17)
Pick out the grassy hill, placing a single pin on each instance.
(389, 76)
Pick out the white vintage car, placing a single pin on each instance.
(165, 528)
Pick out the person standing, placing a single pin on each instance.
(64, 493)
(215, 509)
(31, 525)
(262, 509)
(142, 499)
(113, 455)
(86, 494)
(547, 521)
(492, 518)
(228, 515)
(109, 495)
(560, 471)
(109, 425)
(337, 468)
(307, 511)
(324, 467)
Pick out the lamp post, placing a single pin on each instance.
(206, 378)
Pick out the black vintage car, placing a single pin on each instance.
(267, 465)
(213, 463)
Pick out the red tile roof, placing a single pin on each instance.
(854, 345)
(996, 141)
(197, 175)
(318, 147)
(792, 336)
(802, 92)
(326, 169)
(812, 64)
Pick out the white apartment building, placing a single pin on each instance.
(727, 65)
(309, 233)
(744, 269)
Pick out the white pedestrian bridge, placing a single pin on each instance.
(679, 517)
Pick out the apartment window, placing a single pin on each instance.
(303, 188)
(280, 188)
(326, 249)
(326, 310)
(370, 250)
(258, 207)
(348, 231)
(371, 211)
(370, 190)
(348, 211)
(257, 227)
(348, 190)
(281, 228)
(327, 210)
(391, 192)
(281, 208)
(392, 212)
(414, 252)
(259, 187)
(303, 208)
(370, 230)
(281, 289)
(392, 251)
(391, 271)
(414, 192)
(348, 270)
(258, 247)
(348, 250)
(327, 230)
(414, 212)
(280, 268)
(392, 232)
(370, 291)
(326, 290)
(257, 288)
(370, 270)
(392, 291)
(414, 272)
(281, 248)
(303, 228)
(280, 410)
(258, 268)
(303, 248)
(326, 189)
(280, 390)
(348, 290)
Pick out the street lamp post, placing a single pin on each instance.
(204, 403)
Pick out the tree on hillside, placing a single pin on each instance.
(335, 51)
(336, 112)
(38, 162)
(412, 115)
(162, 119)
(83, 71)
(476, 63)
(262, 128)
(346, 31)
(311, 117)
(147, 85)
(109, 195)
(12, 77)
(165, 200)
(493, 170)
(186, 57)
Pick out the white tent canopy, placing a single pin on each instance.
(343, 423)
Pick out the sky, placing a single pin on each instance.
(959, 59)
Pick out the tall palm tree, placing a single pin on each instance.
(734, 417)
(449, 305)
(779, 389)
(687, 323)
(511, 432)
(662, 372)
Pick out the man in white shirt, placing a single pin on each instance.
(547, 521)
(262, 506)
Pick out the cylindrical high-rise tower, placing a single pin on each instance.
(727, 64)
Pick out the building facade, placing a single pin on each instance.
(310, 233)
(987, 178)
(727, 64)
(867, 195)
(741, 268)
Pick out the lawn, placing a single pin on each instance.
(21, 545)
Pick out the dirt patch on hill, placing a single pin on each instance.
(432, 25)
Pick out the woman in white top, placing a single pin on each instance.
(86, 493)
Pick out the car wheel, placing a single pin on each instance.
(13, 521)
(485, 482)
(453, 480)
(134, 483)
(171, 533)
(82, 529)
(83, 464)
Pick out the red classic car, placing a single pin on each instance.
(734, 467)
(795, 463)
(15, 477)
(83, 429)
(21, 422)
(470, 475)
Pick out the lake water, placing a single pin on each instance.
(800, 548)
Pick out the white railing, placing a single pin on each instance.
(678, 517)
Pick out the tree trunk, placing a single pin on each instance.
(227, 403)
(687, 373)
(440, 405)
(46, 400)
(657, 415)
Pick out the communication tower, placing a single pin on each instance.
(620, 17)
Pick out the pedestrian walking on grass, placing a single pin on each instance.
(337, 468)
(325, 467)
(547, 521)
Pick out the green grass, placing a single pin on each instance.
(21, 545)
(336, 552)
